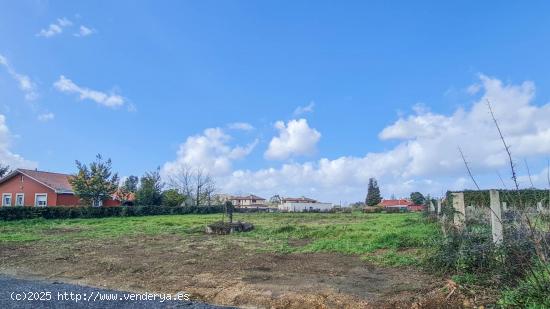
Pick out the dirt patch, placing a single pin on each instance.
(61, 231)
(299, 242)
(228, 274)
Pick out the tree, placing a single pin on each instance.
(373, 193)
(417, 198)
(128, 188)
(229, 208)
(4, 170)
(95, 183)
(275, 200)
(150, 189)
(195, 185)
(172, 197)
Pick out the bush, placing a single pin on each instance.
(395, 210)
(58, 212)
(471, 252)
(531, 292)
(372, 209)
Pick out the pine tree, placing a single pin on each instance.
(95, 183)
(373, 193)
(150, 190)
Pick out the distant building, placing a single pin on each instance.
(403, 204)
(303, 204)
(249, 201)
(297, 200)
(41, 189)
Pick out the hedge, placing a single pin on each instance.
(59, 212)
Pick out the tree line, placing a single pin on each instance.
(96, 182)
(186, 187)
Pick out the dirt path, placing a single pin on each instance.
(226, 275)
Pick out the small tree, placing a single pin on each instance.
(172, 198)
(95, 183)
(150, 190)
(373, 193)
(128, 188)
(4, 170)
(229, 208)
(275, 200)
(417, 198)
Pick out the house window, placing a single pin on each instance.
(97, 203)
(19, 199)
(41, 200)
(6, 199)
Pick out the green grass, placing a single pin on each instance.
(388, 239)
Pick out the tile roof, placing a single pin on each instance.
(401, 202)
(249, 197)
(57, 181)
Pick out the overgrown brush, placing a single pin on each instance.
(520, 264)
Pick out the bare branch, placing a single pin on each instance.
(501, 180)
(467, 167)
(506, 147)
(528, 173)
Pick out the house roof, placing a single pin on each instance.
(55, 181)
(298, 200)
(400, 202)
(249, 197)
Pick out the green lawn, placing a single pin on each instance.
(388, 239)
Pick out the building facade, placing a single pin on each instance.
(40, 189)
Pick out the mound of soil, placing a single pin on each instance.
(224, 228)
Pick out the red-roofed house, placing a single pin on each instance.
(40, 189)
(401, 203)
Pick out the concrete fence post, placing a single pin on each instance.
(438, 206)
(496, 217)
(539, 207)
(432, 207)
(460, 209)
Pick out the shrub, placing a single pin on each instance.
(372, 209)
(396, 209)
(531, 292)
(471, 252)
(20, 213)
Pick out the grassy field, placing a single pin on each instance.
(387, 239)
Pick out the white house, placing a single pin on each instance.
(302, 204)
(249, 201)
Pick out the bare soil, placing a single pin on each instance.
(228, 274)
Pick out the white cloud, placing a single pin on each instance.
(426, 158)
(55, 28)
(84, 31)
(25, 83)
(210, 151)
(304, 109)
(295, 138)
(112, 100)
(244, 126)
(6, 155)
(46, 117)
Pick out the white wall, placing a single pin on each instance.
(299, 207)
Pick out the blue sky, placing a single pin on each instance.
(140, 82)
